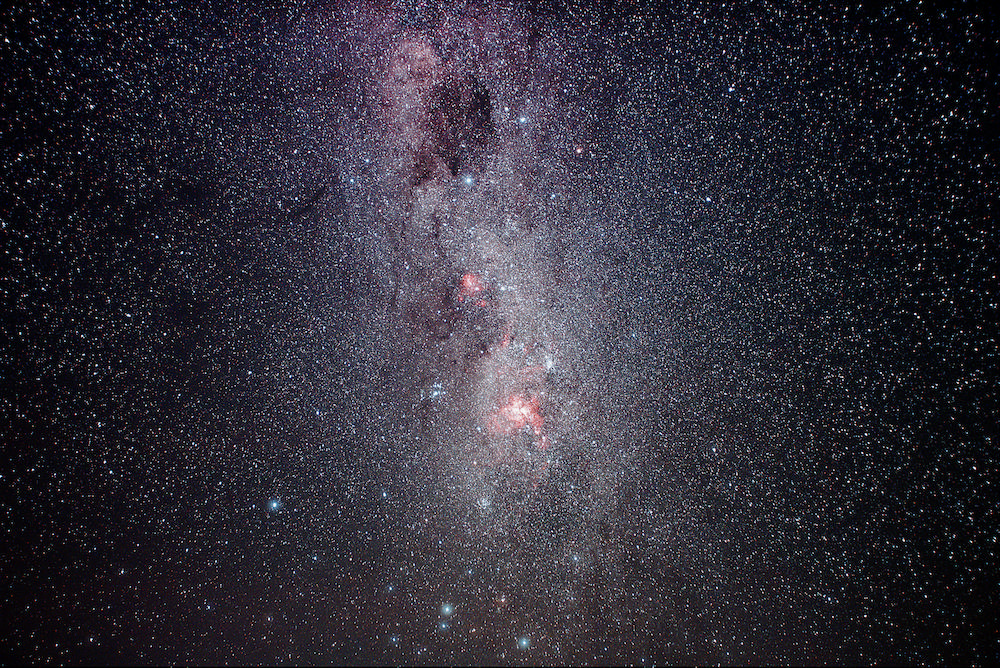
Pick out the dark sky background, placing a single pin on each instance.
(737, 266)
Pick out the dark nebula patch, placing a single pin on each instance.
(460, 118)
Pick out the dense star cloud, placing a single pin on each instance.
(428, 332)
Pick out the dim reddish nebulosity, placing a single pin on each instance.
(469, 286)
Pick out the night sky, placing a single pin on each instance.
(429, 332)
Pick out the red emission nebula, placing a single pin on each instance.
(516, 411)
(516, 415)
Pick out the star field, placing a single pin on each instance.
(498, 333)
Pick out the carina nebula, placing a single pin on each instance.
(483, 332)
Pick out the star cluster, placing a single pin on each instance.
(430, 332)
